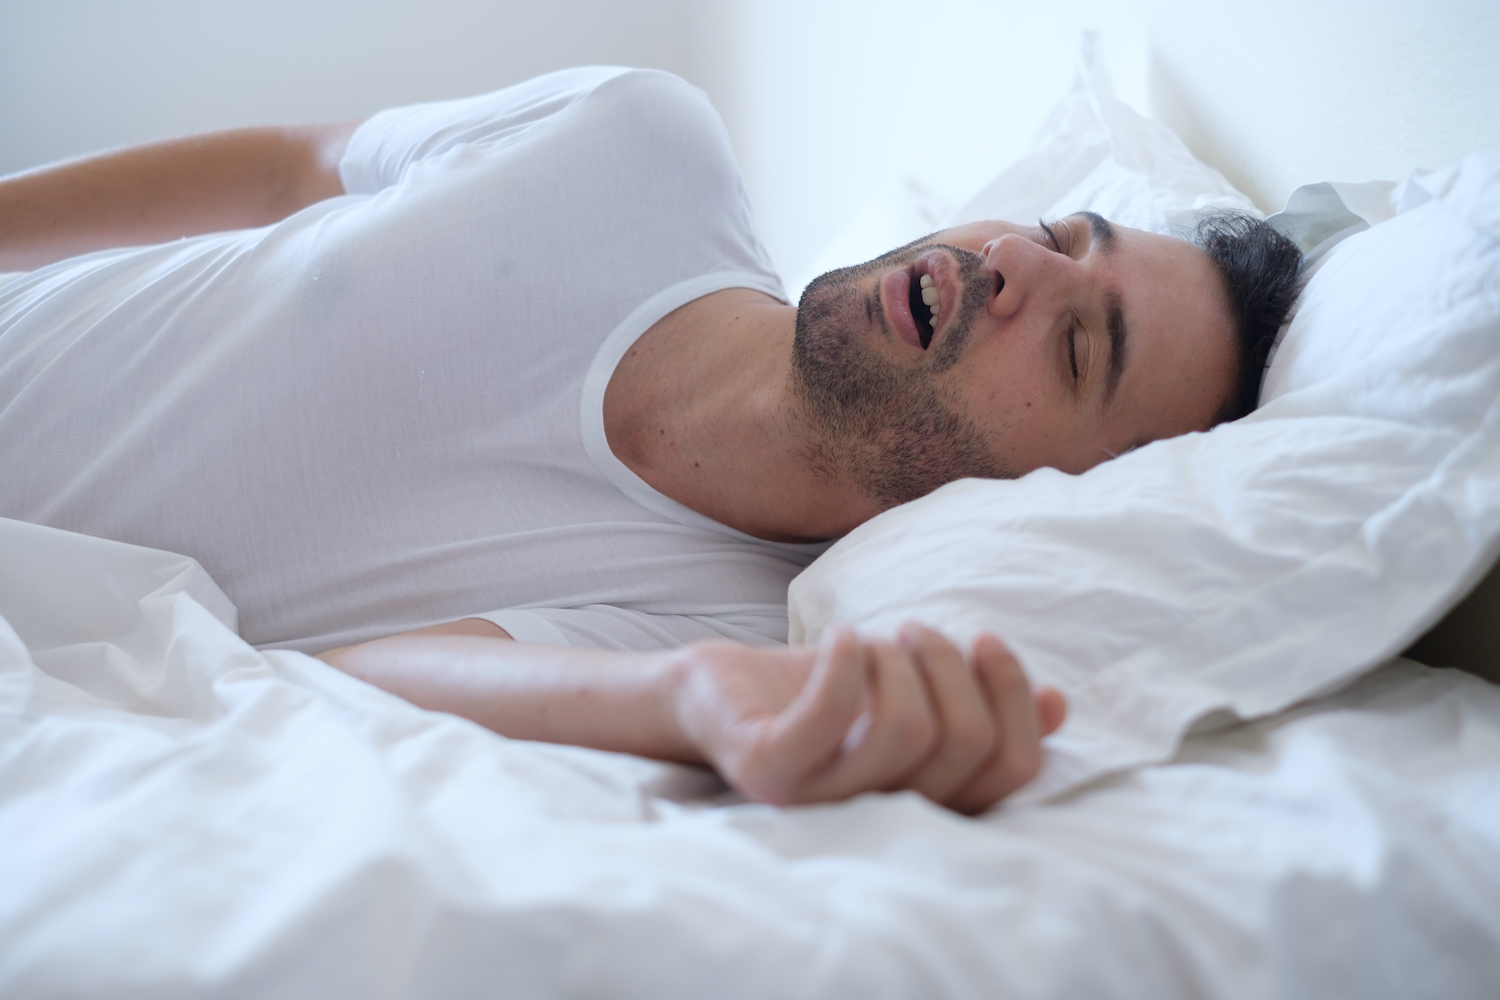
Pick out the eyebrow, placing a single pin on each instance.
(1101, 230)
(1103, 234)
(1118, 343)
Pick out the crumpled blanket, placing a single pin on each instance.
(181, 815)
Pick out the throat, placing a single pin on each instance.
(684, 409)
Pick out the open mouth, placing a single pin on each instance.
(924, 307)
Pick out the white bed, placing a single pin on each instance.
(183, 815)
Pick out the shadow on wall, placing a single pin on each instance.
(1469, 636)
(1282, 93)
(1171, 105)
(78, 76)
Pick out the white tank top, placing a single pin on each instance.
(386, 410)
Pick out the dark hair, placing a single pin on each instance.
(1261, 270)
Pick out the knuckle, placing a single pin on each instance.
(928, 639)
(1010, 684)
(1019, 768)
(970, 741)
(935, 645)
(995, 656)
(993, 645)
(824, 709)
(914, 734)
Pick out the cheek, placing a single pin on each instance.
(1018, 422)
(1030, 428)
(1009, 384)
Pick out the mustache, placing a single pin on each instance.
(894, 429)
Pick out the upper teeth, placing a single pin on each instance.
(930, 296)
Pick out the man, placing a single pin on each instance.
(503, 410)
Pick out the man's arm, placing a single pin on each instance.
(780, 725)
(160, 191)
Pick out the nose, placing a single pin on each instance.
(1024, 271)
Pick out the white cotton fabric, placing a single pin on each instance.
(184, 816)
(1236, 572)
(385, 411)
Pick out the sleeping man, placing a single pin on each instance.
(499, 405)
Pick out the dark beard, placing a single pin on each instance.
(890, 430)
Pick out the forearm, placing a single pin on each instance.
(161, 191)
(605, 700)
(781, 725)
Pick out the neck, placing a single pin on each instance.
(702, 407)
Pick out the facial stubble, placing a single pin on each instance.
(895, 432)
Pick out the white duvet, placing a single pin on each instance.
(181, 815)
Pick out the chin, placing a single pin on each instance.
(833, 317)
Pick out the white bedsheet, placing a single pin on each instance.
(181, 815)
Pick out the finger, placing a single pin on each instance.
(1051, 709)
(900, 731)
(966, 730)
(1018, 750)
(809, 732)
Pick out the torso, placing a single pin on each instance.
(367, 419)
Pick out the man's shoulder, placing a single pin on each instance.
(623, 86)
(652, 87)
(657, 104)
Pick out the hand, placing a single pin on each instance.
(808, 725)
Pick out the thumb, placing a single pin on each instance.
(812, 728)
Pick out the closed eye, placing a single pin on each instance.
(1072, 350)
(1050, 235)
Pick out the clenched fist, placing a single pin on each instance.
(814, 724)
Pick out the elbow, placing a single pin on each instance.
(336, 658)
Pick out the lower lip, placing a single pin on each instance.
(895, 292)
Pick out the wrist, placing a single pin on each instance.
(673, 677)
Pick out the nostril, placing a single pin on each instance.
(999, 283)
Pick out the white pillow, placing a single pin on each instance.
(1244, 569)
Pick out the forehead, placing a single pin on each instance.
(1184, 369)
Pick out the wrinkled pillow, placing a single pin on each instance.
(1232, 573)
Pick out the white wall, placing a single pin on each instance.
(1273, 93)
(1279, 93)
(827, 101)
(79, 75)
(839, 98)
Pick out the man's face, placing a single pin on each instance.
(1057, 345)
